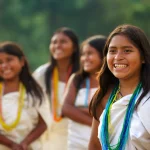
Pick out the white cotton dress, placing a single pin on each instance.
(28, 120)
(139, 132)
(56, 136)
(79, 134)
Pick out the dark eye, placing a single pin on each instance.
(63, 41)
(127, 50)
(53, 42)
(9, 59)
(112, 51)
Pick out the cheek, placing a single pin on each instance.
(51, 48)
(81, 60)
(97, 59)
(70, 47)
(109, 62)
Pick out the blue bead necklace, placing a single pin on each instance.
(104, 134)
(87, 85)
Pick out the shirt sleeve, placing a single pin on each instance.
(144, 114)
(44, 111)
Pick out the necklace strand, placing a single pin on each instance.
(126, 124)
(55, 103)
(9, 127)
(87, 94)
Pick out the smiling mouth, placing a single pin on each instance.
(120, 66)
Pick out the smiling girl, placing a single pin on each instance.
(80, 89)
(53, 76)
(124, 93)
(22, 119)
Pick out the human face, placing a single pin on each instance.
(10, 66)
(61, 46)
(123, 58)
(90, 59)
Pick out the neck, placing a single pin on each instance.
(128, 87)
(63, 65)
(93, 80)
(11, 86)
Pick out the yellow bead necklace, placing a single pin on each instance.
(9, 127)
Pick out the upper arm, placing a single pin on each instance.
(94, 143)
(70, 94)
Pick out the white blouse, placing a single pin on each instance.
(28, 120)
(58, 131)
(139, 132)
(79, 134)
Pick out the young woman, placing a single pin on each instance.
(53, 77)
(80, 89)
(22, 108)
(125, 85)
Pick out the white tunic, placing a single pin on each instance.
(139, 132)
(57, 133)
(28, 120)
(79, 134)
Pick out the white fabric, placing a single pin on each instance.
(56, 136)
(79, 134)
(139, 133)
(39, 75)
(28, 120)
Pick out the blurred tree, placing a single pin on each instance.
(31, 23)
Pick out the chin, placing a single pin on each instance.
(87, 69)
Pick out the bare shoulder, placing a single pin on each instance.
(70, 92)
(70, 83)
(102, 105)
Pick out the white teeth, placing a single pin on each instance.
(6, 71)
(58, 51)
(120, 66)
(86, 64)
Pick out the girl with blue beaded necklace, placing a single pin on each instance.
(80, 89)
(120, 107)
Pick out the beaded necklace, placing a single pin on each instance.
(55, 103)
(87, 93)
(126, 124)
(9, 127)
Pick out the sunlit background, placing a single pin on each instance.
(31, 23)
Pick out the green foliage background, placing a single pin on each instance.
(31, 23)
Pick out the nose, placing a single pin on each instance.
(86, 57)
(57, 45)
(3, 65)
(119, 55)
(83, 58)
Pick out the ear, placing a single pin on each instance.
(143, 61)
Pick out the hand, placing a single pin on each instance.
(16, 147)
(24, 146)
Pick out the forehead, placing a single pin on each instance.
(120, 40)
(59, 36)
(89, 49)
(4, 55)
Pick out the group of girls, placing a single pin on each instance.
(49, 109)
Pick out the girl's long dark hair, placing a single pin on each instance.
(97, 42)
(32, 87)
(106, 78)
(75, 57)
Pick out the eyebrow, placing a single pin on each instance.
(121, 47)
